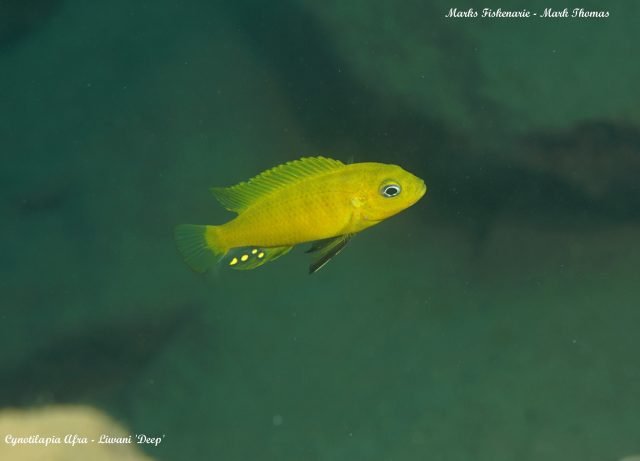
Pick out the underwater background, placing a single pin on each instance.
(497, 319)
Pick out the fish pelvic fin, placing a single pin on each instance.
(247, 258)
(324, 250)
(199, 245)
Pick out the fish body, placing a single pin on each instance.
(311, 199)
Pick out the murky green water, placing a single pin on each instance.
(497, 319)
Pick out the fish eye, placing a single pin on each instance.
(390, 190)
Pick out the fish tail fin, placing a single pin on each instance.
(200, 246)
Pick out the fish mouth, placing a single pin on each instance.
(422, 190)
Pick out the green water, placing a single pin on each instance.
(497, 319)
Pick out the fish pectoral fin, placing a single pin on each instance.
(247, 258)
(326, 249)
(319, 244)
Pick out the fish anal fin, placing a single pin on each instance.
(239, 197)
(326, 249)
(247, 258)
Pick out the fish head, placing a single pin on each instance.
(387, 190)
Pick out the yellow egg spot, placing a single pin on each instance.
(254, 251)
(261, 255)
(233, 262)
(243, 258)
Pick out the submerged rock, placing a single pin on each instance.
(599, 158)
(21, 17)
(65, 433)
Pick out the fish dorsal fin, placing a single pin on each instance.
(239, 197)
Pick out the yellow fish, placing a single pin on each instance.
(313, 199)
